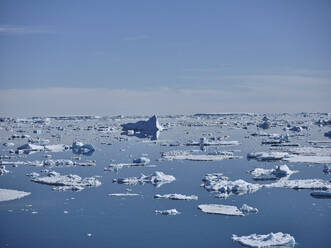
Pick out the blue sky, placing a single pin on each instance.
(218, 56)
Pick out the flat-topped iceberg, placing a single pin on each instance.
(177, 197)
(67, 182)
(220, 209)
(150, 126)
(158, 178)
(219, 183)
(10, 194)
(265, 240)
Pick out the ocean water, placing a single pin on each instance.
(96, 220)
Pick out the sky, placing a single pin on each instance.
(165, 57)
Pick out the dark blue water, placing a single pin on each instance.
(131, 221)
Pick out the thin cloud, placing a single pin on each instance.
(22, 30)
(136, 38)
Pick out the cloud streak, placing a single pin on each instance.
(100, 101)
(22, 30)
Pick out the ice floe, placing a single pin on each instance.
(314, 184)
(67, 182)
(188, 155)
(177, 197)
(271, 174)
(167, 212)
(217, 182)
(10, 194)
(267, 156)
(265, 240)
(158, 178)
(31, 148)
(220, 209)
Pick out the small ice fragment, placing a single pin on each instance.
(141, 160)
(123, 194)
(248, 209)
(34, 212)
(65, 212)
(267, 240)
(167, 212)
(89, 235)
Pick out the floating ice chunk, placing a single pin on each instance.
(3, 170)
(80, 148)
(267, 156)
(267, 240)
(30, 148)
(150, 126)
(10, 194)
(328, 134)
(123, 194)
(58, 162)
(167, 212)
(314, 184)
(177, 197)
(272, 174)
(219, 183)
(141, 160)
(56, 148)
(327, 169)
(8, 144)
(33, 174)
(205, 142)
(245, 209)
(158, 178)
(67, 182)
(220, 209)
(187, 155)
(264, 125)
(321, 194)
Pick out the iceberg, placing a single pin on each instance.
(80, 148)
(10, 194)
(177, 197)
(265, 240)
(150, 126)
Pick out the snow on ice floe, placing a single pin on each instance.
(227, 209)
(67, 182)
(217, 182)
(189, 155)
(80, 148)
(10, 194)
(265, 240)
(271, 174)
(150, 126)
(167, 212)
(158, 178)
(177, 197)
